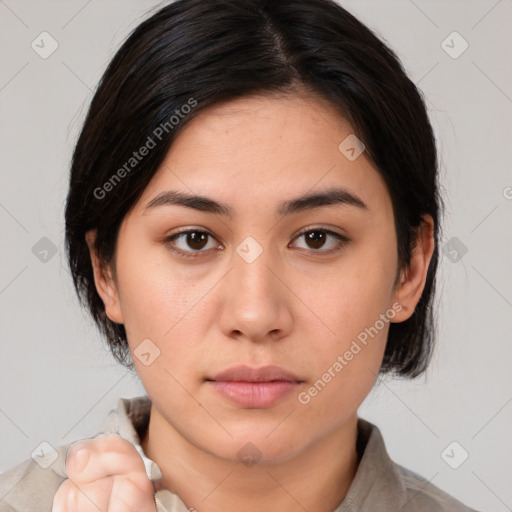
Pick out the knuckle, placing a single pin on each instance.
(74, 448)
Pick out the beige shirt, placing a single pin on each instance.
(380, 485)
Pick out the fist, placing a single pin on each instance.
(105, 474)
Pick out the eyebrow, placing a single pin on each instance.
(329, 197)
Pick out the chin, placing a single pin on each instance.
(252, 447)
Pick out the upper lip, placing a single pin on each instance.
(261, 374)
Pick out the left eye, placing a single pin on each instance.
(195, 239)
(316, 239)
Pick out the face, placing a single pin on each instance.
(307, 286)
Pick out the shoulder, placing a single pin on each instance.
(381, 484)
(423, 496)
(31, 485)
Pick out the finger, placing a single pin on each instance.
(132, 495)
(107, 455)
(62, 501)
(113, 493)
(93, 498)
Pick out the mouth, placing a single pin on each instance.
(254, 388)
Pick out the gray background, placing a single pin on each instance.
(58, 381)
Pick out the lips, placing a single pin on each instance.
(254, 388)
(262, 374)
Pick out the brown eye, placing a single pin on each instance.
(196, 239)
(190, 244)
(316, 239)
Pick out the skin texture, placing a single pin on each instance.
(294, 306)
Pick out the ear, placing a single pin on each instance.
(412, 279)
(104, 281)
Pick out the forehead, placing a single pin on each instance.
(260, 150)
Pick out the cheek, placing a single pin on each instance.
(153, 294)
(346, 360)
(353, 295)
(353, 308)
(172, 307)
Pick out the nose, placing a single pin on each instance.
(255, 301)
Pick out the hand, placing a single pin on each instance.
(109, 477)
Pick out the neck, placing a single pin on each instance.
(313, 480)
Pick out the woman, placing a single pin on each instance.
(253, 221)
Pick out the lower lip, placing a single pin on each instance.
(254, 395)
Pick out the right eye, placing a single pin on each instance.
(195, 239)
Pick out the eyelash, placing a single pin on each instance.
(343, 240)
